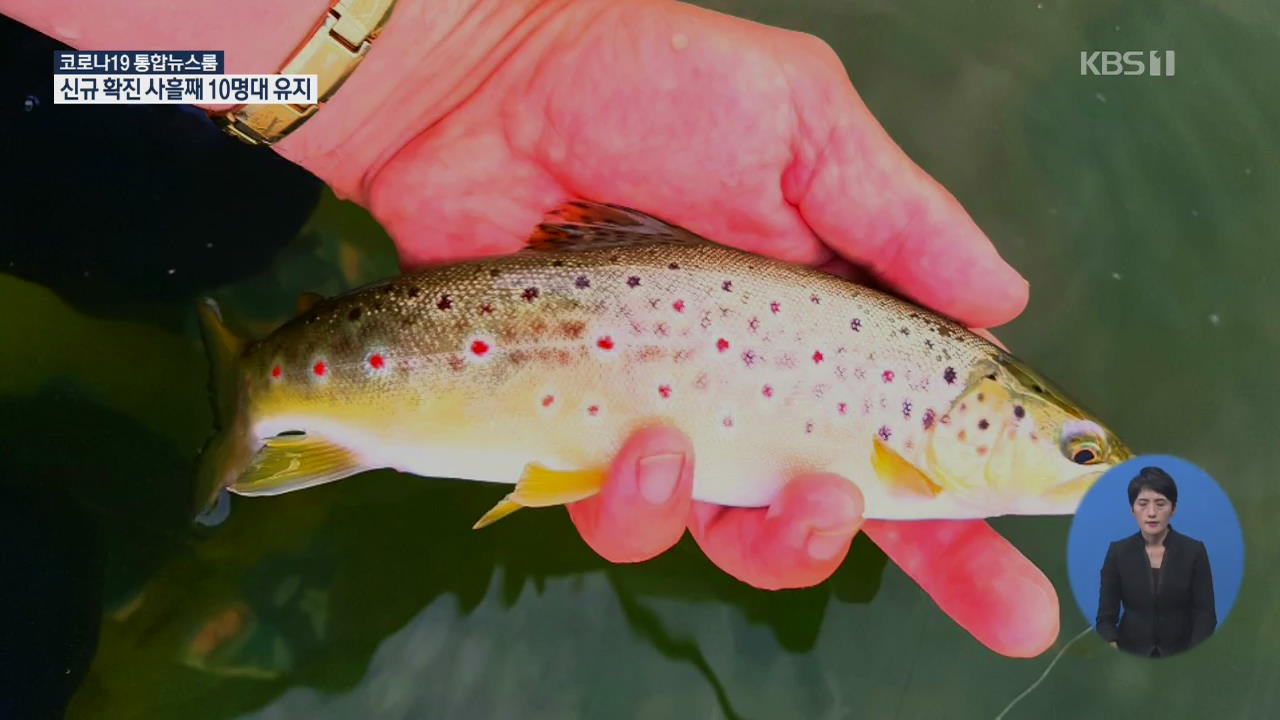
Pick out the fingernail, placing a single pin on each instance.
(824, 546)
(658, 475)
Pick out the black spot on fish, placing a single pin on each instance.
(445, 302)
(983, 424)
(355, 313)
(557, 263)
(949, 375)
(495, 272)
(582, 282)
(1019, 412)
(928, 418)
(633, 281)
(992, 376)
(855, 325)
(530, 294)
(415, 292)
(673, 266)
(727, 285)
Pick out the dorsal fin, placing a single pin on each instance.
(584, 225)
(308, 300)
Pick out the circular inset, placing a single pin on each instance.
(1155, 556)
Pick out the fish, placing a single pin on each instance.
(533, 368)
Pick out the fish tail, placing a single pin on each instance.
(228, 452)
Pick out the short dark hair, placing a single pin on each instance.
(1153, 478)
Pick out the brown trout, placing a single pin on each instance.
(533, 369)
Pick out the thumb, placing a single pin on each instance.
(875, 207)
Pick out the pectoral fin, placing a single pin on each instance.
(540, 487)
(293, 462)
(900, 475)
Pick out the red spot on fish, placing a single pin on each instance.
(727, 421)
(479, 348)
(486, 309)
(961, 436)
(275, 371)
(547, 400)
(678, 306)
(318, 368)
(605, 343)
(817, 357)
(594, 410)
(887, 376)
(376, 362)
(842, 408)
(982, 449)
(722, 345)
(664, 391)
(767, 391)
(775, 307)
(530, 294)
(445, 302)
(928, 419)
(808, 427)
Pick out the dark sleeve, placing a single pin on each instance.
(1204, 616)
(1109, 597)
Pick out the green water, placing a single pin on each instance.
(1143, 210)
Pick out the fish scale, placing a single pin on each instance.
(615, 321)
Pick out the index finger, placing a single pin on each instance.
(976, 577)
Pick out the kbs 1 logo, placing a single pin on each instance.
(1155, 63)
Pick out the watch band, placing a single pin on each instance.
(331, 53)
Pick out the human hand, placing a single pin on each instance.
(744, 133)
(470, 120)
(975, 576)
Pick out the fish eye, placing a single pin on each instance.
(1084, 456)
(1082, 443)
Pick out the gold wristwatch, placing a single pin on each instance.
(331, 53)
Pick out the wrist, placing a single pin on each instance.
(431, 56)
(257, 36)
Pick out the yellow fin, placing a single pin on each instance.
(899, 474)
(308, 300)
(293, 462)
(540, 487)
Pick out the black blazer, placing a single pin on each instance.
(1175, 619)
